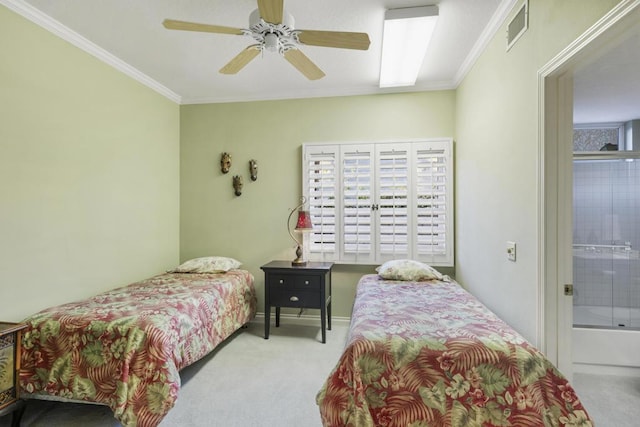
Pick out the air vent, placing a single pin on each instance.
(518, 24)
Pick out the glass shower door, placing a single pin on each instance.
(606, 241)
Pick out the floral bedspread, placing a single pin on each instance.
(430, 354)
(124, 348)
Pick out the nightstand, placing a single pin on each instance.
(10, 344)
(307, 286)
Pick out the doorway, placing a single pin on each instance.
(556, 96)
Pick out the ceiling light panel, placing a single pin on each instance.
(406, 36)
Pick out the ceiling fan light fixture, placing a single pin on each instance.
(273, 29)
(272, 37)
(271, 42)
(406, 36)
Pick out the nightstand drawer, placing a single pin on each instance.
(296, 282)
(307, 283)
(295, 298)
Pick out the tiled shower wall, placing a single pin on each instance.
(606, 211)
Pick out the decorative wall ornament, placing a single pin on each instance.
(237, 184)
(225, 162)
(253, 169)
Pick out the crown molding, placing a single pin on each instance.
(487, 35)
(37, 17)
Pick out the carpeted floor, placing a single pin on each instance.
(611, 400)
(246, 382)
(253, 382)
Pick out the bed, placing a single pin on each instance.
(124, 348)
(427, 353)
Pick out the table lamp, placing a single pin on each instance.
(303, 224)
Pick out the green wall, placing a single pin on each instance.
(252, 227)
(89, 173)
(497, 168)
(93, 194)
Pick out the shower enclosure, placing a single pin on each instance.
(606, 235)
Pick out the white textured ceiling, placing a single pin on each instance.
(185, 64)
(607, 86)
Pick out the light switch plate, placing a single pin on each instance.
(511, 251)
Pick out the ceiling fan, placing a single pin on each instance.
(273, 30)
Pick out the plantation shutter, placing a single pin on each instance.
(374, 202)
(434, 203)
(393, 201)
(320, 188)
(357, 193)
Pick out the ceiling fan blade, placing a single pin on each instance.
(172, 24)
(242, 59)
(303, 64)
(271, 10)
(340, 39)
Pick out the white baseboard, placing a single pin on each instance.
(625, 371)
(304, 319)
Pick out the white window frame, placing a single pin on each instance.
(333, 155)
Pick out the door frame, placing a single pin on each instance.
(555, 173)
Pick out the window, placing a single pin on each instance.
(597, 137)
(373, 202)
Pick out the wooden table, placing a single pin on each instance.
(307, 286)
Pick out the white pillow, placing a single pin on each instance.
(210, 264)
(409, 270)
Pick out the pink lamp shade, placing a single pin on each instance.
(302, 224)
(304, 221)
